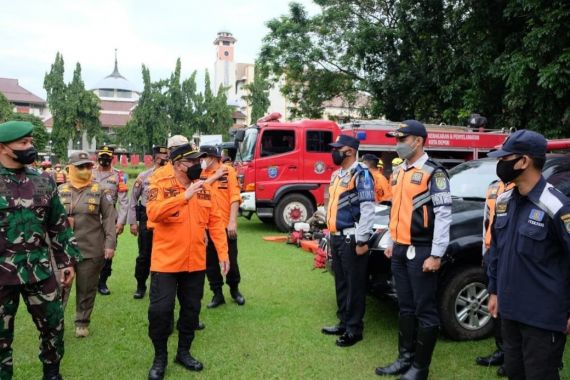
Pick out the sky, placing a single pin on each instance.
(150, 32)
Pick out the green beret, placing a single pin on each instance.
(14, 130)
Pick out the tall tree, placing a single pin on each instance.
(40, 134)
(5, 108)
(257, 96)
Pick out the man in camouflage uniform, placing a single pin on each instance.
(137, 213)
(115, 182)
(30, 214)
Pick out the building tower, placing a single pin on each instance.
(225, 69)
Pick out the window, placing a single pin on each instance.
(226, 43)
(124, 94)
(106, 93)
(277, 142)
(318, 141)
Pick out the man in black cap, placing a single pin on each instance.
(419, 228)
(529, 261)
(382, 189)
(350, 212)
(138, 220)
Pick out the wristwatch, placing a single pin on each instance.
(361, 243)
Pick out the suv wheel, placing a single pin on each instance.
(463, 305)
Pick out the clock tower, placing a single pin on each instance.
(225, 70)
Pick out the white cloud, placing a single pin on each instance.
(144, 31)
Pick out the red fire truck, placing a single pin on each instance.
(285, 167)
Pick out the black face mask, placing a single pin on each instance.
(25, 156)
(193, 172)
(162, 162)
(338, 157)
(105, 161)
(506, 170)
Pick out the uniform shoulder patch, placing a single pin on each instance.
(440, 180)
(153, 194)
(566, 220)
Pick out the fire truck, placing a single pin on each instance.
(285, 167)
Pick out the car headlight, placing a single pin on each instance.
(385, 240)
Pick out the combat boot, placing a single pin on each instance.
(102, 287)
(183, 356)
(237, 296)
(427, 337)
(217, 300)
(51, 372)
(160, 360)
(141, 290)
(406, 348)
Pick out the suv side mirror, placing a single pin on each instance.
(239, 136)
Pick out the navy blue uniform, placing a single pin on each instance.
(529, 267)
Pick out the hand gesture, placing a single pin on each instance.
(67, 275)
(134, 229)
(193, 189)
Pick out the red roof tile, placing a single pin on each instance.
(18, 94)
(113, 120)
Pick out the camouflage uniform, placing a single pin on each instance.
(115, 183)
(30, 215)
(137, 213)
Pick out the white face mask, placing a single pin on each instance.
(204, 164)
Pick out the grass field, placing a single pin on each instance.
(276, 335)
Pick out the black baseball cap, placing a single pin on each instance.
(157, 149)
(409, 128)
(370, 157)
(344, 140)
(523, 142)
(210, 150)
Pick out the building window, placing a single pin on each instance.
(318, 141)
(277, 142)
(124, 94)
(226, 43)
(106, 93)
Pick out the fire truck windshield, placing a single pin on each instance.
(247, 146)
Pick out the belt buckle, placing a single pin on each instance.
(347, 239)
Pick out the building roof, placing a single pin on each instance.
(18, 94)
(362, 100)
(115, 81)
(113, 120)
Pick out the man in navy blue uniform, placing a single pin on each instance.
(529, 261)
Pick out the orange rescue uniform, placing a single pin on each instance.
(225, 190)
(495, 189)
(179, 242)
(382, 188)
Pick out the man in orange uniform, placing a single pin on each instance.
(496, 188)
(180, 208)
(382, 189)
(226, 192)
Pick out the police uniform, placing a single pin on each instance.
(382, 190)
(115, 183)
(350, 212)
(495, 189)
(419, 228)
(226, 192)
(31, 214)
(137, 214)
(178, 260)
(529, 268)
(92, 217)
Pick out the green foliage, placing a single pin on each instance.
(40, 135)
(258, 93)
(74, 109)
(432, 60)
(5, 108)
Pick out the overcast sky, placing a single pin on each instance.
(152, 32)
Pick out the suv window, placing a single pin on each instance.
(318, 141)
(277, 142)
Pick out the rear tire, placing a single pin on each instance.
(291, 209)
(463, 305)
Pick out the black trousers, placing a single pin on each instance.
(164, 288)
(532, 353)
(142, 264)
(416, 289)
(351, 278)
(213, 271)
(106, 271)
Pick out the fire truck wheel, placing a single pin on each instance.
(291, 209)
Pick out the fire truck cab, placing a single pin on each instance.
(285, 167)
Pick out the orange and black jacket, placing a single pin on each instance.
(350, 205)
(179, 240)
(226, 190)
(421, 205)
(495, 189)
(382, 188)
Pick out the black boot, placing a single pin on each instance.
(102, 287)
(141, 290)
(217, 300)
(406, 348)
(496, 358)
(183, 356)
(427, 337)
(159, 363)
(51, 372)
(237, 296)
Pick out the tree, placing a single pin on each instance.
(5, 108)
(40, 135)
(56, 97)
(258, 93)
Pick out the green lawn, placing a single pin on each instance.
(276, 335)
